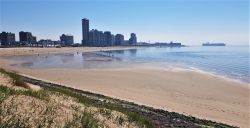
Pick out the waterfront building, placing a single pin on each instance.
(91, 38)
(85, 32)
(133, 39)
(107, 38)
(112, 40)
(49, 43)
(67, 40)
(119, 39)
(7, 39)
(97, 39)
(171, 44)
(100, 38)
(94, 38)
(26, 38)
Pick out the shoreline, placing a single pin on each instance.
(172, 69)
(4, 52)
(177, 91)
(227, 78)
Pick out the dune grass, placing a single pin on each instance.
(141, 121)
(81, 119)
(41, 94)
(78, 119)
(14, 123)
(16, 79)
(84, 119)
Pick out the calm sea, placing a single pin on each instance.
(229, 61)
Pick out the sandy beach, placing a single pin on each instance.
(30, 50)
(188, 92)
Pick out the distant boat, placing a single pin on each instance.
(213, 44)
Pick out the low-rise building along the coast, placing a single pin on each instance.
(66, 40)
(133, 39)
(119, 39)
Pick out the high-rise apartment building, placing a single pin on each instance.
(112, 40)
(26, 38)
(85, 32)
(95, 38)
(119, 39)
(7, 38)
(107, 38)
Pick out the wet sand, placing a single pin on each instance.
(31, 51)
(188, 92)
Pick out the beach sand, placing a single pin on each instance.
(30, 50)
(188, 92)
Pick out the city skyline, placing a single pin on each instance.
(90, 38)
(192, 23)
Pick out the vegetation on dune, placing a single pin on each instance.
(16, 79)
(83, 120)
(133, 117)
(6, 91)
(80, 98)
(16, 103)
(80, 118)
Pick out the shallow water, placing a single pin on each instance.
(229, 61)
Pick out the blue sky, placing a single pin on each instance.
(186, 21)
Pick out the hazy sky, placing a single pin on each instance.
(186, 21)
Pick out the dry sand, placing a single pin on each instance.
(188, 92)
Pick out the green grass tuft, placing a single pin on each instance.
(41, 94)
(83, 120)
(106, 112)
(133, 117)
(121, 120)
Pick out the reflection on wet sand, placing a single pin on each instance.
(69, 60)
(67, 57)
(99, 56)
(27, 64)
(133, 52)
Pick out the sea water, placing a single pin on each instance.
(229, 61)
